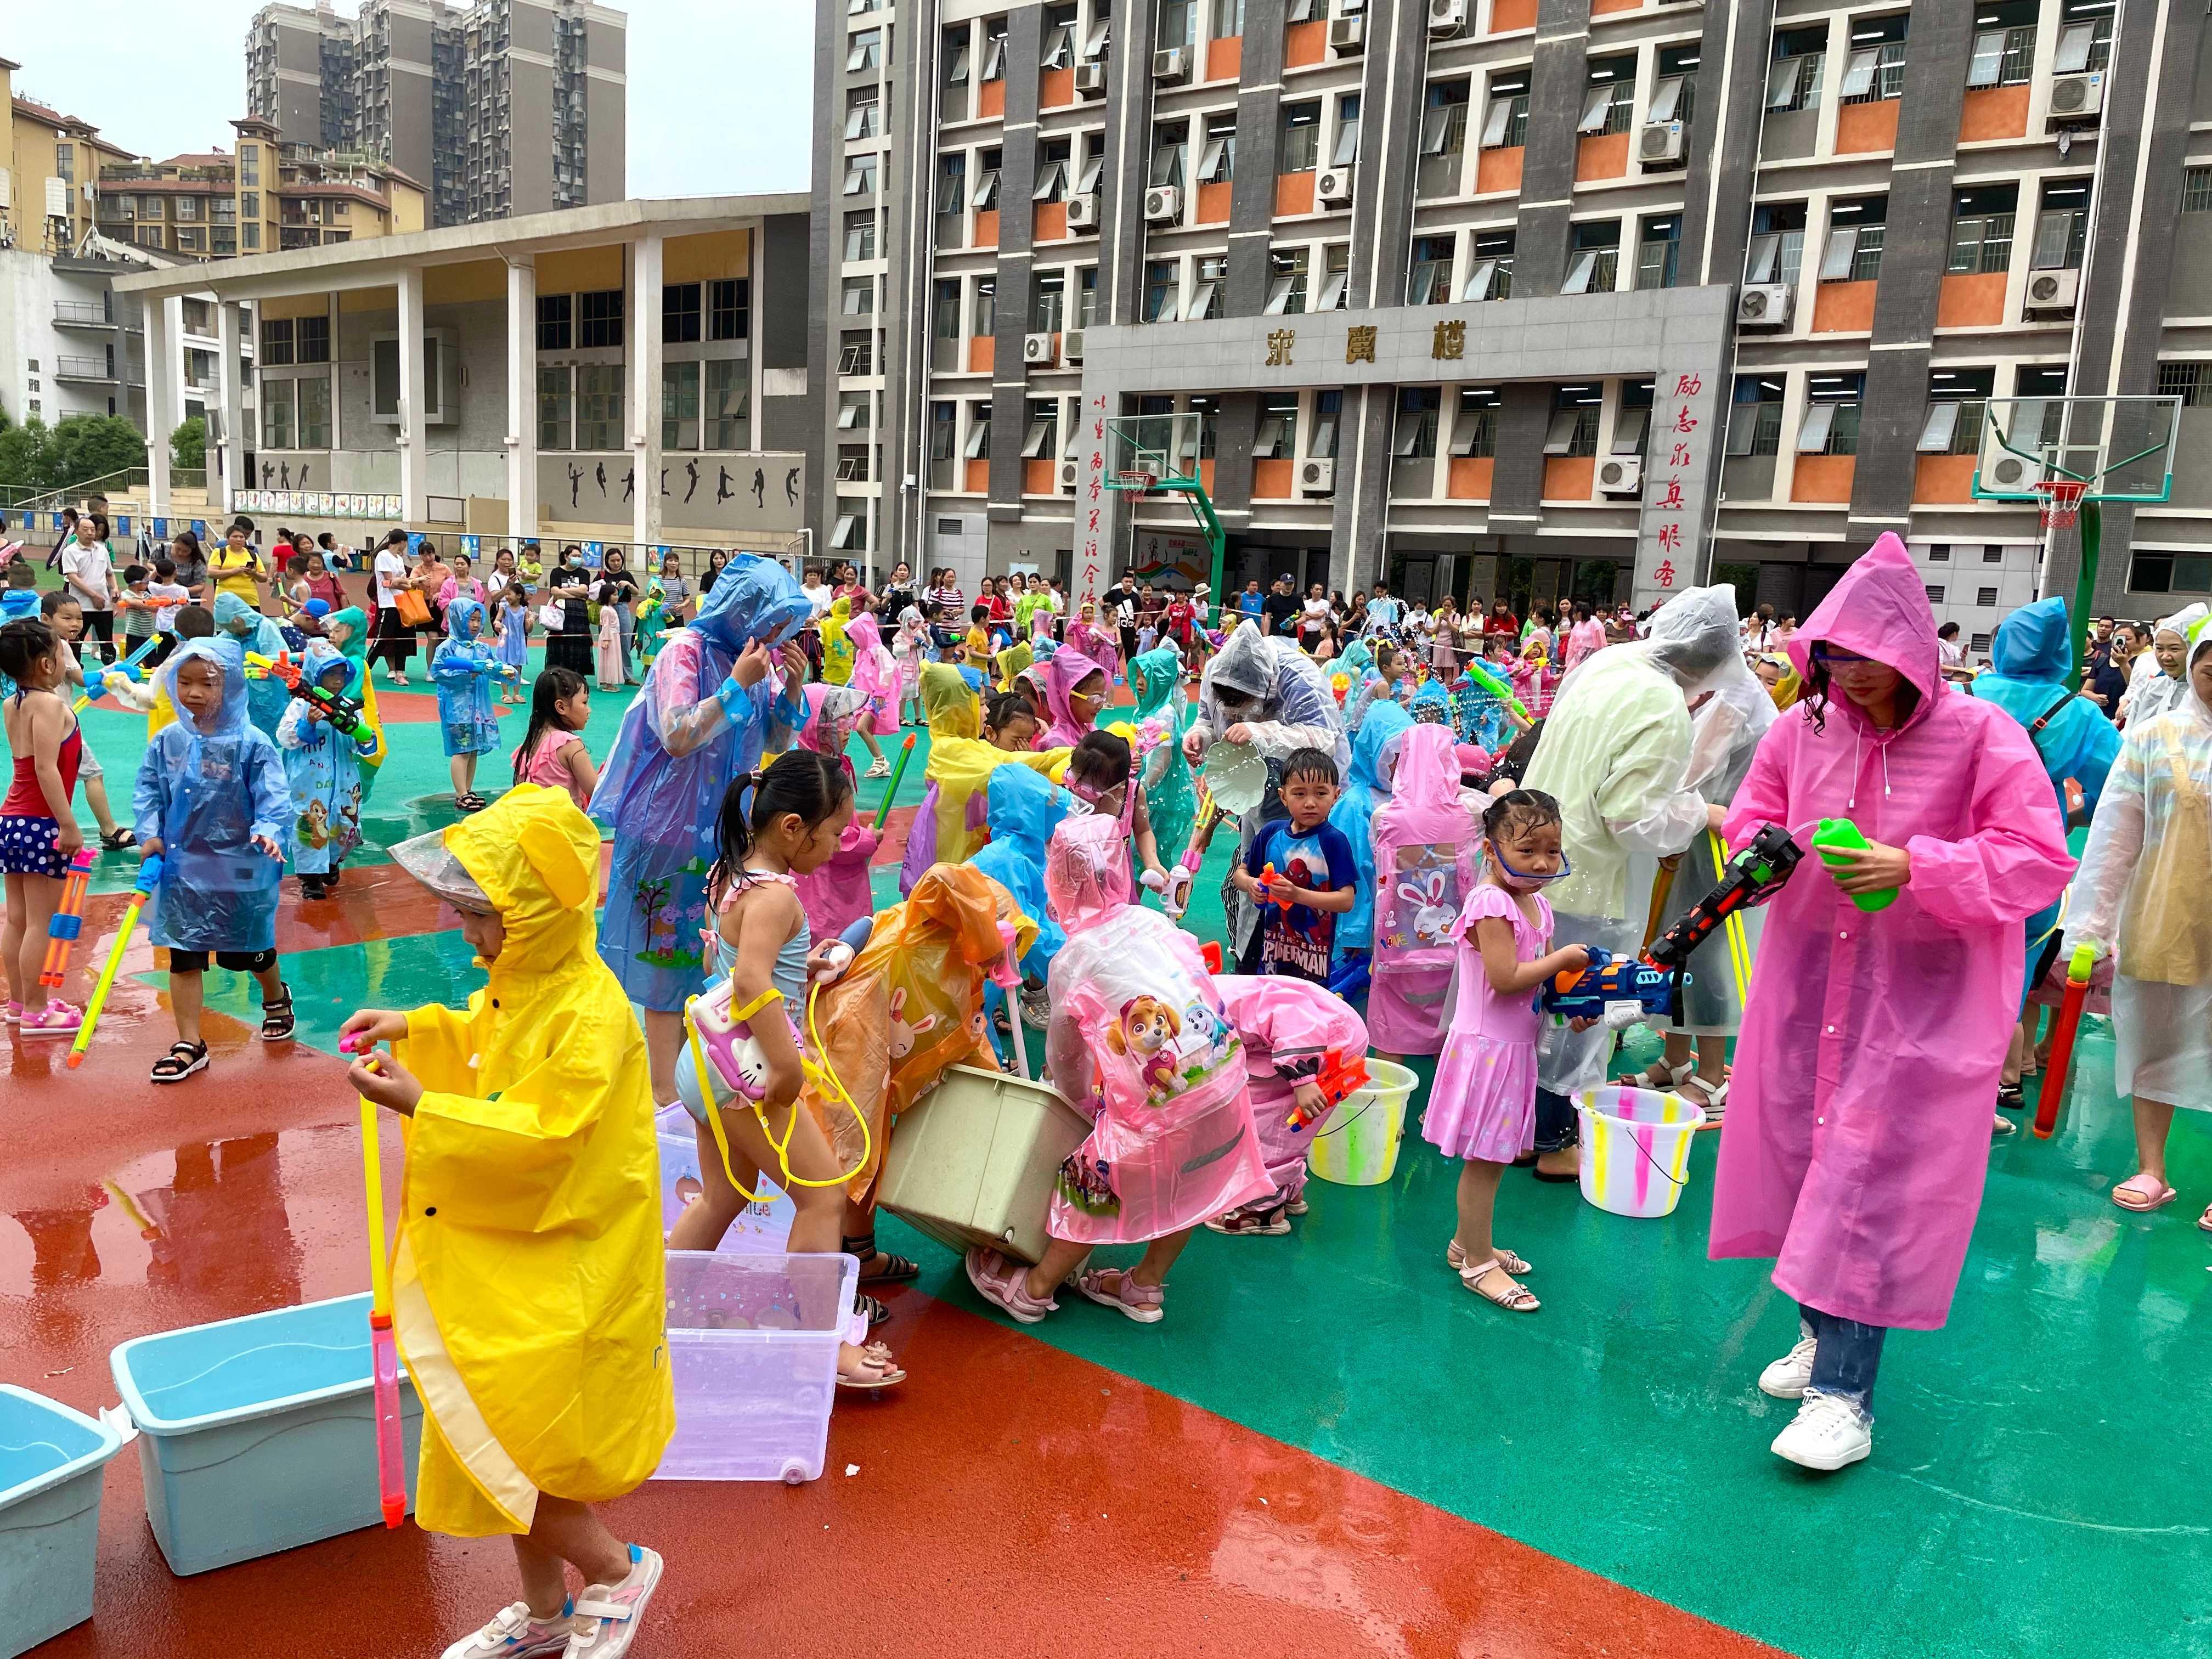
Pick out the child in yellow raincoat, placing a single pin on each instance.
(527, 1279)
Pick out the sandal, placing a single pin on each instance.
(864, 1303)
(1661, 1076)
(1712, 1098)
(56, 1018)
(897, 1269)
(1004, 1282)
(1516, 1300)
(277, 1021)
(2143, 1193)
(2205, 1221)
(1142, 1303)
(874, 1369)
(2011, 1097)
(1270, 1222)
(117, 839)
(181, 1062)
(1455, 1258)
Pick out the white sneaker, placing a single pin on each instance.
(608, 1615)
(514, 1634)
(1788, 1377)
(1825, 1434)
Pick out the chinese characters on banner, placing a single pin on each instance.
(1680, 440)
(1088, 564)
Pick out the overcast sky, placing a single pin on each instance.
(719, 90)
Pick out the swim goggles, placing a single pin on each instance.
(1534, 880)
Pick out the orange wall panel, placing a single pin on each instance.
(1823, 478)
(982, 354)
(1505, 14)
(1304, 43)
(1861, 127)
(1294, 191)
(1993, 113)
(1272, 480)
(1470, 478)
(1843, 308)
(1570, 477)
(1971, 300)
(976, 476)
(986, 229)
(1943, 478)
(1039, 478)
(1601, 155)
(990, 100)
(1213, 202)
(1225, 58)
(1051, 223)
(1205, 475)
(1055, 87)
(1499, 169)
(1600, 7)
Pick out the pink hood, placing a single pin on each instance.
(1879, 610)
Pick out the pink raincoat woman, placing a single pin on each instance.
(1858, 1134)
(836, 894)
(1061, 673)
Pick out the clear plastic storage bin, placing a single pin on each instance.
(52, 1461)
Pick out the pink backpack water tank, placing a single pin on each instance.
(1427, 858)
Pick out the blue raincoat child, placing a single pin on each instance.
(205, 794)
(1026, 807)
(323, 766)
(265, 696)
(690, 731)
(1364, 789)
(463, 667)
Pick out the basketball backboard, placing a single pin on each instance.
(1163, 447)
(2122, 448)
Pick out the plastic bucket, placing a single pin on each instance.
(51, 1460)
(1636, 1149)
(1357, 1145)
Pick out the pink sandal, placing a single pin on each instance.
(1142, 1303)
(1003, 1281)
(2143, 1193)
(56, 1018)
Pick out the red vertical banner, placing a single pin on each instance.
(1090, 510)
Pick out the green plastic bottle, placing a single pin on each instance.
(1842, 832)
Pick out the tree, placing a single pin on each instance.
(188, 444)
(23, 457)
(90, 447)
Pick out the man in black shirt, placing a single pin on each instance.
(1124, 600)
(1281, 608)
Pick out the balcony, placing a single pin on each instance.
(81, 314)
(97, 369)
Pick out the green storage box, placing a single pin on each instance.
(971, 1163)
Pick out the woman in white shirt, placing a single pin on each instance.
(389, 577)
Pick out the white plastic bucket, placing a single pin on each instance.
(1357, 1145)
(1636, 1149)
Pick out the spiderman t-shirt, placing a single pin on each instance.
(1297, 941)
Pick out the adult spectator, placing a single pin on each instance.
(1313, 618)
(568, 584)
(1123, 605)
(1282, 609)
(1585, 638)
(67, 535)
(1502, 624)
(1251, 602)
(1950, 652)
(388, 579)
(191, 567)
(1382, 611)
(2105, 676)
(899, 591)
(88, 577)
(234, 567)
(819, 594)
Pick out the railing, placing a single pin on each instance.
(83, 310)
(131, 483)
(83, 368)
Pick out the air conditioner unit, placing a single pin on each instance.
(2003, 470)
(2077, 97)
(1069, 472)
(1037, 350)
(1090, 79)
(1163, 205)
(1660, 142)
(2052, 290)
(1334, 186)
(1767, 305)
(1171, 64)
(1070, 346)
(1620, 475)
(1317, 477)
(1447, 16)
(1083, 212)
(1347, 34)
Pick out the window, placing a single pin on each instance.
(864, 50)
(1982, 230)
(599, 406)
(188, 209)
(986, 318)
(1169, 139)
(1958, 400)
(952, 185)
(191, 237)
(1575, 414)
(1935, 595)
(679, 313)
(1675, 94)
(2003, 53)
(249, 204)
(1217, 163)
(553, 315)
(1490, 270)
(278, 405)
(1778, 244)
(1101, 35)
(1304, 11)
(1633, 424)
(994, 51)
(1755, 416)
(312, 339)
(1301, 137)
(852, 462)
(2187, 381)
(1228, 19)
(2085, 44)
(1048, 301)
(1052, 171)
(1177, 23)
(941, 444)
(1418, 407)
(2168, 572)
(249, 164)
(1336, 273)
(315, 394)
(860, 174)
(1328, 409)
(2062, 228)
(1277, 439)
(1474, 432)
(1430, 283)
(1041, 436)
(1608, 96)
(862, 115)
(1088, 182)
(1658, 253)
(1059, 38)
(728, 401)
(276, 341)
(1875, 69)
(854, 413)
(985, 197)
(679, 405)
(1086, 299)
(729, 308)
(65, 161)
(1505, 120)
(600, 322)
(556, 406)
(1594, 258)
(860, 236)
(1346, 151)
(2196, 189)
(1939, 553)
(1161, 300)
(979, 431)
(1985, 596)
(1443, 122)
(1830, 425)
(1793, 80)
(1855, 232)
(856, 352)
(249, 235)
(944, 310)
(858, 297)
(1286, 282)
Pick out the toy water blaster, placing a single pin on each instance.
(2052, 1094)
(96, 677)
(384, 1348)
(1620, 991)
(1176, 899)
(149, 878)
(1341, 1076)
(1498, 687)
(1266, 895)
(344, 714)
(67, 921)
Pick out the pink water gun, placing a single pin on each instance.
(390, 1470)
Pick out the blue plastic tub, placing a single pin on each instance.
(52, 1462)
(259, 1434)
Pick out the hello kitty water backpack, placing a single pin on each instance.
(1428, 851)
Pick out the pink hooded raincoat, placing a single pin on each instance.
(1858, 1131)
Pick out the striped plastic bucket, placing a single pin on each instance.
(1636, 1149)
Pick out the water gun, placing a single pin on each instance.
(1176, 899)
(1842, 835)
(1341, 1076)
(2052, 1093)
(890, 789)
(1353, 976)
(390, 1468)
(1268, 878)
(1751, 878)
(96, 677)
(67, 921)
(1616, 991)
(149, 878)
(340, 710)
(1485, 676)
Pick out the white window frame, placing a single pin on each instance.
(1039, 437)
(1941, 426)
(1344, 149)
(1480, 279)
(1052, 183)
(1666, 98)
(856, 116)
(1819, 419)
(1060, 49)
(1212, 160)
(1781, 80)
(1597, 106)
(1498, 119)
(1559, 435)
(985, 197)
(978, 446)
(957, 74)
(1582, 272)
(994, 58)
(1836, 258)
(2075, 42)
(1629, 427)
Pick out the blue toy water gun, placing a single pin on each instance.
(1615, 991)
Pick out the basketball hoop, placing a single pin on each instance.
(1136, 481)
(2061, 500)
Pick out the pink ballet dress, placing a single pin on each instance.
(1483, 1103)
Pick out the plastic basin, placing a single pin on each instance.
(971, 1164)
(52, 1461)
(1357, 1145)
(1636, 1149)
(752, 1350)
(259, 1434)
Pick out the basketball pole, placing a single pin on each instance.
(2085, 583)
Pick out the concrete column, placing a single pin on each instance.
(414, 443)
(521, 399)
(161, 378)
(229, 406)
(173, 405)
(645, 357)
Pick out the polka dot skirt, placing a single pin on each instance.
(26, 846)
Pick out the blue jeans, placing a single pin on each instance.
(1557, 1127)
(1847, 1357)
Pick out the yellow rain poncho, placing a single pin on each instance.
(837, 647)
(528, 1283)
